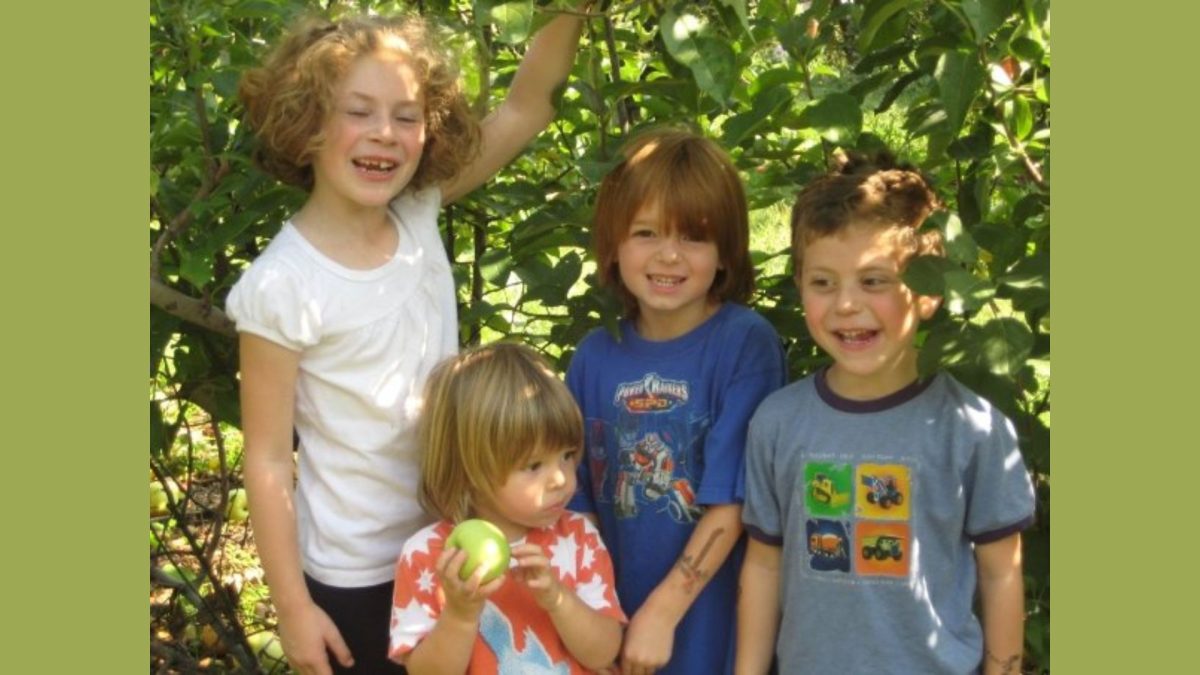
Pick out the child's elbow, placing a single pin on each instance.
(605, 656)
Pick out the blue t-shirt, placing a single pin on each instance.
(665, 433)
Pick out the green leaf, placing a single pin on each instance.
(837, 117)
(689, 40)
(925, 274)
(739, 8)
(945, 346)
(1004, 344)
(495, 265)
(985, 16)
(896, 89)
(873, 18)
(514, 21)
(765, 105)
(196, 266)
(1019, 117)
(960, 77)
(974, 145)
(965, 292)
(960, 246)
(1026, 49)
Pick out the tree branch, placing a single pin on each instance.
(192, 310)
(184, 218)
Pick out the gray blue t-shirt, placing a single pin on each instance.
(876, 505)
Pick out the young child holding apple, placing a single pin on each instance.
(666, 405)
(877, 502)
(502, 437)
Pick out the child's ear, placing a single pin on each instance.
(927, 305)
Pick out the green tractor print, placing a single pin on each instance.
(882, 547)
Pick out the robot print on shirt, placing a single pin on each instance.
(656, 450)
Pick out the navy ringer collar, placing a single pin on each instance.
(908, 393)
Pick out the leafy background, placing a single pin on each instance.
(961, 87)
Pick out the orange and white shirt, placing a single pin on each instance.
(515, 634)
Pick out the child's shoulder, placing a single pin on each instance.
(785, 403)
(423, 204)
(736, 319)
(971, 408)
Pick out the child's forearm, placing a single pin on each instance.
(545, 67)
(592, 638)
(706, 550)
(758, 609)
(446, 650)
(1002, 605)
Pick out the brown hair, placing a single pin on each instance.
(488, 411)
(873, 191)
(699, 192)
(291, 95)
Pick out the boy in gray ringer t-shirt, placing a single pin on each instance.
(878, 503)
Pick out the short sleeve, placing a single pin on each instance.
(583, 501)
(271, 301)
(596, 589)
(415, 607)
(761, 512)
(1001, 493)
(759, 370)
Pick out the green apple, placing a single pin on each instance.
(158, 499)
(266, 648)
(485, 545)
(239, 508)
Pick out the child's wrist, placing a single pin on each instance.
(553, 601)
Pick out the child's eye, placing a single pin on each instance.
(820, 284)
(408, 119)
(642, 232)
(876, 282)
(357, 113)
(534, 466)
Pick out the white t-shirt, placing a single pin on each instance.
(367, 341)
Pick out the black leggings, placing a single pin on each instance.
(363, 616)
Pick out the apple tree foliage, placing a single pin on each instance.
(960, 87)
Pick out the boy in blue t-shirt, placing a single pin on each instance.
(878, 503)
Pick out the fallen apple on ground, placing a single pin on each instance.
(485, 545)
(239, 508)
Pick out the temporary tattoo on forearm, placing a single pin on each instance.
(691, 568)
(1012, 664)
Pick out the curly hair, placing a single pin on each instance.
(290, 96)
(699, 193)
(874, 191)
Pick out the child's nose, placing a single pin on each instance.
(847, 300)
(668, 249)
(385, 130)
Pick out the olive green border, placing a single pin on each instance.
(75, 129)
(1125, 251)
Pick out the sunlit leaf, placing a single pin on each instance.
(837, 117)
(959, 76)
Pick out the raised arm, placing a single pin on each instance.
(268, 399)
(1002, 604)
(528, 108)
(758, 609)
(651, 634)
